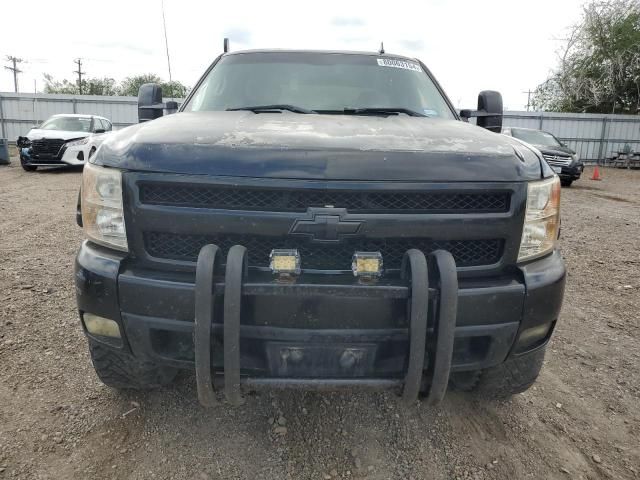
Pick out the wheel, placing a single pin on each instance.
(91, 152)
(513, 376)
(566, 183)
(120, 370)
(26, 167)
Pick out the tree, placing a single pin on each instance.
(57, 86)
(107, 86)
(99, 86)
(131, 85)
(91, 86)
(174, 89)
(599, 66)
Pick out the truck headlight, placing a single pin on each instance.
(102, 213)
(542, 220)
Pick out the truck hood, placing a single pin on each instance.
(555, 150)
(36, 134)
(316, 146)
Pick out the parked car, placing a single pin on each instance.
(564, 161)
(64, 139)
(319, 220)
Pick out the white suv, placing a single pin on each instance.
(63, 139)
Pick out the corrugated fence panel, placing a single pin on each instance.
(593, 136)
(20, 112)
(121, 113)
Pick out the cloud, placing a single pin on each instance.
(116, 45)
(357, 39)
(238, 35)
(412, 44)
(347, 22)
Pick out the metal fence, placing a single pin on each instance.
(19, 111)
(593, 136)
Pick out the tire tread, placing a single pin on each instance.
(123, 371)
(514, 376)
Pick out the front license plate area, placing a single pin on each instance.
(557, 169)
(320, 361)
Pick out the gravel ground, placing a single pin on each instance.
(580, 421)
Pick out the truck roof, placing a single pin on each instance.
(79, 115)
(342, 52)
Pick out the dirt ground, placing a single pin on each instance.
(580, 421)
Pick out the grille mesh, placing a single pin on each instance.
(322, 256)
(46, 147)
(300, 200)
(557, 160)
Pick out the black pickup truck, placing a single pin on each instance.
(319, 220)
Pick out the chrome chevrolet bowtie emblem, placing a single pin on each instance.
(325, 225)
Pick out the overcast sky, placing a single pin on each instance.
(469, 45)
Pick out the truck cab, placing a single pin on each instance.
(320, 220)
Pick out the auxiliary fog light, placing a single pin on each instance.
(367, 265)
(104, 327)
(530, 337)
(285, 263)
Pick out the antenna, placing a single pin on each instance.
(381, 51)
(225, 45)
(166, 42)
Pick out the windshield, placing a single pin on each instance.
(322, 82)
(536, 137)
(70, 124)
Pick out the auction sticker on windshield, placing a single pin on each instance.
(392, 62)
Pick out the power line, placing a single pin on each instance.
(78, 61)
(14, 61)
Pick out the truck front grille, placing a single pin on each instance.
(317, 256)
(557, 160)
(46, 147)
(264, 199)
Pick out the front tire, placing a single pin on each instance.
(26, 167)
(515, 375)
(123, 371)
(566, 183)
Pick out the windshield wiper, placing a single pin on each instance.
(269, 108)
(382, 111)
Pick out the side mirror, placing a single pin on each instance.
(489, 112)
(150, 104)
(171, 107)
(99, 130)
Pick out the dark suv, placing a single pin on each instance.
(319, 220)
(564, 161)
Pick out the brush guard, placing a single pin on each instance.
(431, 376)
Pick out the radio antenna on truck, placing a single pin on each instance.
(225, 45)
(381, 51)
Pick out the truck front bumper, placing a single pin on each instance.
(571, 172)
(322, 330)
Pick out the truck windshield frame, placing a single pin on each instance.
(324, 82)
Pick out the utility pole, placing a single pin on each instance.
(78, 61)
(528, 92)
(14, 61)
